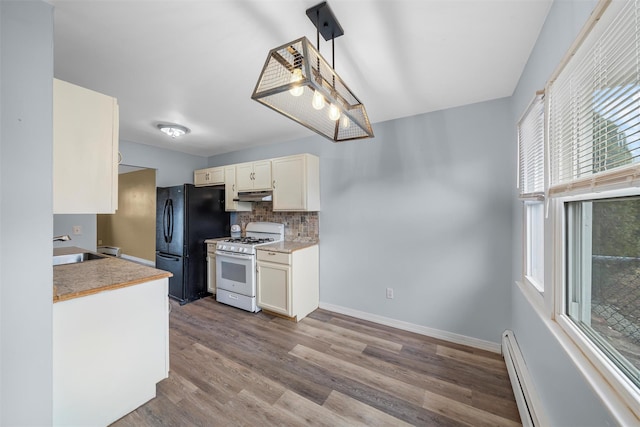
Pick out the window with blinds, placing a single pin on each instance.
(594, 107)
(531, 150)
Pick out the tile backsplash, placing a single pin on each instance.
(298, 226)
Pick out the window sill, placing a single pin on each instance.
(619, 385)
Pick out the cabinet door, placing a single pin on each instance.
(274, 287)
(289, 184)
(215, 176)
(200, 177)
(296, 183)
(231, 192)
(210, 176)
(244, 177)
(211, 272)
(262, 175)
(85, 150)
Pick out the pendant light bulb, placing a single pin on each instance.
(334, 112)
(318, 101)
(296, 76)
(344, 122)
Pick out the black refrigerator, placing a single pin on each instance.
(185, 216)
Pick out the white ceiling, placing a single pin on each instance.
(196, 63)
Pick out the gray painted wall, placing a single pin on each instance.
(26, 284)
(173, 168)
(63, 224)
(568, 399)
(438, 178)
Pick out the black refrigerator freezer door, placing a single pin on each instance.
(170, 220)
(175, 265)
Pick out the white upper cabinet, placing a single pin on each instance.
(85, 150)
(294, 180)
(296, 183)
(254, 176)
(231, 192)
(209, 176)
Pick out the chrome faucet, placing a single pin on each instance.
(63, 238)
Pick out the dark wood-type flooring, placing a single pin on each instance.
(233, 368)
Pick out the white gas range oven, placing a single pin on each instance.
(236, 264)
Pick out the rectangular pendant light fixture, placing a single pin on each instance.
(299, 83)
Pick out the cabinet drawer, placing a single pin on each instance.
(272, 256)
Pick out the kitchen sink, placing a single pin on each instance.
(75, 258)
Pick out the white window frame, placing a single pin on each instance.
(532, 224)
(531, 182)
(625, 389)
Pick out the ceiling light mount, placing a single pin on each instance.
(297, 82)
(325, 21)
(173, 130)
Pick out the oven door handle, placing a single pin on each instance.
(229, 255)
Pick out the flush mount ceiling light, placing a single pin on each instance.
(298, 82)
(174, 131)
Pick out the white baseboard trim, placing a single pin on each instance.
(411, 327)
(529, 405)
(138, 260)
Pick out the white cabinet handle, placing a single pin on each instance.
(233, 187)
(274, 183)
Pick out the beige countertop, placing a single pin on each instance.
(286, 246)
(91, 277)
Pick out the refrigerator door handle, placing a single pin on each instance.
(171, 222)
(171, 258)
(164, 221)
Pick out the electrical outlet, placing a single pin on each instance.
(390, 293)
(99, 241)
(77, 229)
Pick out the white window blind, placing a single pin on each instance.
(531, 150)
(594, 106)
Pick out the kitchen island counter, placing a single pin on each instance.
(91, 277)
(110, 338)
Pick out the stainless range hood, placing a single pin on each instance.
(254, 196)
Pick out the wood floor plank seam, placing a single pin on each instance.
(234, 368)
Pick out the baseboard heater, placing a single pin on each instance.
(529, 405)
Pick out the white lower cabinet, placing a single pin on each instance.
(110, 349)
(274, 289)
(288, 283)
(211, 268)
